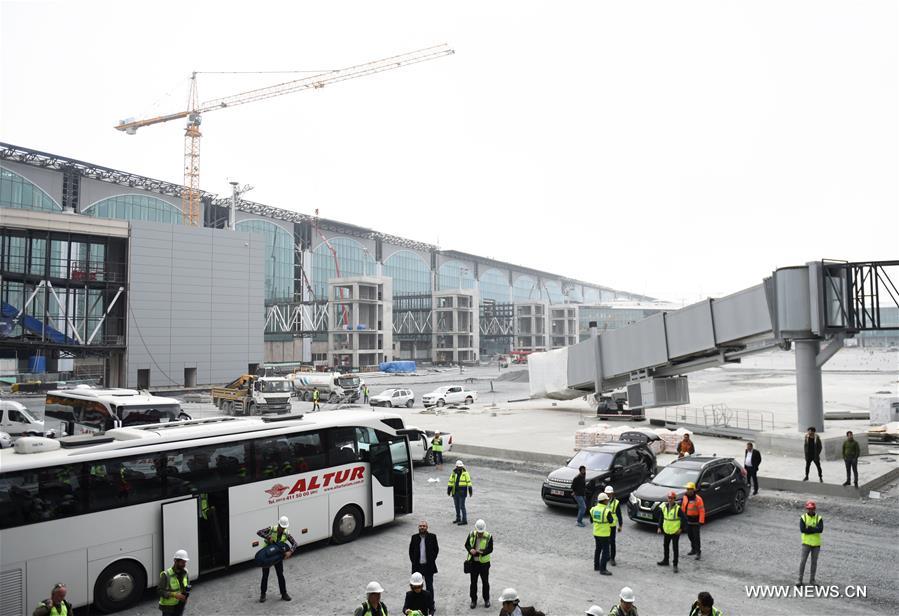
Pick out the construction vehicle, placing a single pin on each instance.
(332, 386)
(254, 395)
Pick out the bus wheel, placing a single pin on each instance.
(347, 525)
(120, 585)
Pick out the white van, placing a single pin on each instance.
(17, 420)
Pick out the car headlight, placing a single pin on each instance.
(633, 500)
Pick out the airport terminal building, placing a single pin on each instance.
(101, 278)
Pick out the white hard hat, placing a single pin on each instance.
(373, 587)
(181, 555)
(509, 594)
(595, 610)
(283, 522)
(609, 490)
(480, 526)
(603, 497)
(417, 579)
(459, 464)
(627, 595)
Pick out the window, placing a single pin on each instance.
(206, 469)
(17, 192)
(16, 416)
(289, 454)
(628, 458)
(454, 390)
(455, 275)
(135, 207)
(125, 481)
(342, 446)
(354, 259)
(409, 272)
(41, 495)
(97, 416)
(723, 471)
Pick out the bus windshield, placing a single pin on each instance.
(147, 414)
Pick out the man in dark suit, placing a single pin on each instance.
(752, 460)
(812, 447)
(423, 551)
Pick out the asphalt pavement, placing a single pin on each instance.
(548, 559)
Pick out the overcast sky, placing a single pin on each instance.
(676, 149)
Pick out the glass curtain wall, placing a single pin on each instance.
(135, 207)
(494, 285)
(354, 260)
(410, 273)
(278, 258)
(455, 275)
(17, 192)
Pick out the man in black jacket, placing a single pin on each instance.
(423, 550)
(812, 444)
(751, 461)
(578, 489)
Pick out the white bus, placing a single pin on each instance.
(104, 513)
(85, 409)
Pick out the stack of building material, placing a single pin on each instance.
(598, 434)
(672, 437)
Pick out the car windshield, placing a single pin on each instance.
(24, 410)
(676, 477)
(386, 393)
(272, 386)
(593, 460)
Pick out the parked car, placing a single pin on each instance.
(721, 482)
(17, 420)
(5, 440)
(451, 394)
(420, 443)
(393, 398)
(622, 465)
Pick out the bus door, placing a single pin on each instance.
(382, 493)
(402, 475)
(212, 530)
(179, 530)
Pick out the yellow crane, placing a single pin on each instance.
(190, 194)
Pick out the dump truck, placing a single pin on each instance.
(332, 386)
(254, 395)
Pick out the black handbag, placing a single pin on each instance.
(466, 566)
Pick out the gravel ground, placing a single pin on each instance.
(548, 559)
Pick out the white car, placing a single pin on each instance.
(450, 394)
(420, 444)
(393, 398)
(17, 420)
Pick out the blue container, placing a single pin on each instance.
(37, 364)
(393, 367)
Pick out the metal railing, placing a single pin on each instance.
(721, 416)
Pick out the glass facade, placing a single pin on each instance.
(278, 258)
(591, 295)
(135, 207)
(525, 289)
(494, 285)
(455, 275)
(354, 260)
(409, 271)
(17, 192)
(575, 295)
(554, 289)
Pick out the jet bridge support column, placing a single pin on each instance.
(809, 394)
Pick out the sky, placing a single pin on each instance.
(675, 149)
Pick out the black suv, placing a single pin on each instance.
(721, 482)
(621, 464)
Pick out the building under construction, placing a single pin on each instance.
(101, 276)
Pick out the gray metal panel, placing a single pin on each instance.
(196, 300)
(690, 330)
(581, 364)
(741, 315)
(635, 347)
(793, 305)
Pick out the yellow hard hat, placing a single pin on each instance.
(691, 486)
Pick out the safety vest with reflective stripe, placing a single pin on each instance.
(602, 520)
(381, 610)
(464, 481)
(479, 545)
(670, 519)
(316, 395)
(812, 539)
(613, 506)
(51, 609)
(174, 585)
(694, 507)
(437, 444)
(273, 536)
(714, 612)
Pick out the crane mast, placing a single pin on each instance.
(190, 193)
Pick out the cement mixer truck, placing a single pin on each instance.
(332, 386)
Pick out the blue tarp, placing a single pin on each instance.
(35, 326)
(397, 366)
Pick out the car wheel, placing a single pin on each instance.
(389, 403)
(409, 403)
(440, 402)
(429, 457)
(469, 400)
(739, 502)
(347, 525)
(120, 586)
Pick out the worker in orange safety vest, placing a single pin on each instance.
(694, 512)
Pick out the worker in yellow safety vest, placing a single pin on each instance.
(811, 525)
(372, 606)
(56, 605)
(459, 487)
(603, 521)
(174, 586)
(316, 396)
(672, 516)
(437, 448)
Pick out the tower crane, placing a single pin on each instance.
(190, 193)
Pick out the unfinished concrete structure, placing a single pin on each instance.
(563, 326)
(530, 326)
(455, 336)
(361, 317)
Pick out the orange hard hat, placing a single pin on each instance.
(810, 505)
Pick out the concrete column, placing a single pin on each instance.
(809, 395)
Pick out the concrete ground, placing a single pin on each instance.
(548, 559)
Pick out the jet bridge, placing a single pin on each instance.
(820, 303)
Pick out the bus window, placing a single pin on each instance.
(342, 446)
(206, 469)
(40, 495)
(96, 416)
(365, 438)
(140, 415)
(123, 482)
(308, 452)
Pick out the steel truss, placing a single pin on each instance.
(300, 319)
(869, 290)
